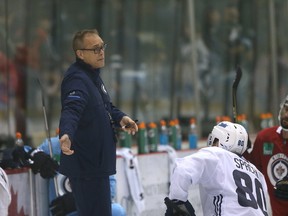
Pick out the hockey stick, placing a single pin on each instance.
(234, 92)
(47, 132)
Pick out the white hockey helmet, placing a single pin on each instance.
(232, 137)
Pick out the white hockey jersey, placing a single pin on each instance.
(228, 184)
(5, 196)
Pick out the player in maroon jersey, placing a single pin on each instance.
(270, 156)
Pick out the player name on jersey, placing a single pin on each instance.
(242, 164)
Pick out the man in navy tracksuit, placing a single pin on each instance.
(87, 123)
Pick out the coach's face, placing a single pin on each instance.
(93, 51)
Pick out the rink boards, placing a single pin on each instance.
(154, 172)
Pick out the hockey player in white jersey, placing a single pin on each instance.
(5, 195)
(228, 184)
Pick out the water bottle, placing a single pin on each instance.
(193, 137)
(179, 134)
(163, 136)
(270, 121)
(142, 139)
(19, 142)
(226, 118)
(263, 121)
(125, 139)
(218, 119)
(242, 119)
(57, 131)
(152, 137)
(173, 134)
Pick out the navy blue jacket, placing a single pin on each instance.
(85, 117)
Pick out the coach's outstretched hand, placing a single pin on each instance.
(63, 205)
(65, 144)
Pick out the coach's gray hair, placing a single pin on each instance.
(78, 38)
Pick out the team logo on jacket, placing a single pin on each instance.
(277, 167)
(103, 89)
(73, 94)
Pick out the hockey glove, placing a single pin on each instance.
(43, 164)
(63, 205)
(178, 208)
(281, 188)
